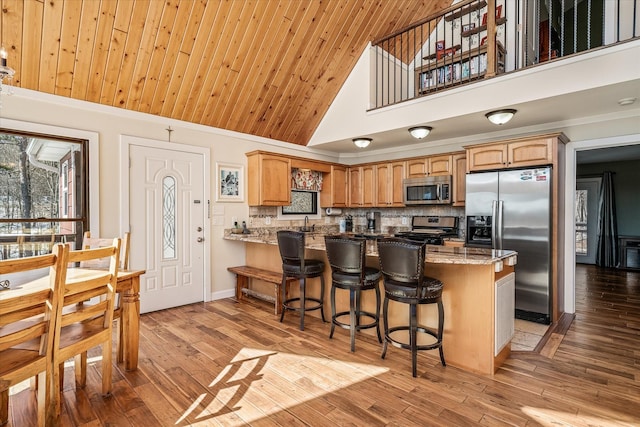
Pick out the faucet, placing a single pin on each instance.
(306, 228)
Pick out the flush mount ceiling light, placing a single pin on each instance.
(420, 132)
(500, 117)
(362, 142)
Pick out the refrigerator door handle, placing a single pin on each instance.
(494, 234)
(499, 223)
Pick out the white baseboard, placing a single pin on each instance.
(228, 293)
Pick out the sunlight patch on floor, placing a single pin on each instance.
(551, 418)
(260, 374)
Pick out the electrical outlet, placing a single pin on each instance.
(404, 220)
(327, 220)
(267, 220)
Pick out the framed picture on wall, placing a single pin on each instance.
(229, 182)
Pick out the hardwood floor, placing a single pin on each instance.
(229, 364)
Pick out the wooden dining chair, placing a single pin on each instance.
(27, 324)
(89, 242)
(85, 316)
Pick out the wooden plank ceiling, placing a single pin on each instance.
(264, 67)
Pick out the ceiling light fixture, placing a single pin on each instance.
(362, 142)
(420, 132)
(500, 117)
(6, 73)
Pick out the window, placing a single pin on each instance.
(43, 196)
(581, 222)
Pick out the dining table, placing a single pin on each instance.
(128, 286)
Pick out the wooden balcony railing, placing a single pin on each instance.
(479, 39)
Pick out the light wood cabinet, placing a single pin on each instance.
(269, 182)
(459, 161)
(389, 178)
(361, 186)
(532, 152)
(334, 188)
(417, 168)
(439, 165)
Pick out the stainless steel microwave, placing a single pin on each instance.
(430, 190)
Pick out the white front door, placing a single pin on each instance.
(167, 215)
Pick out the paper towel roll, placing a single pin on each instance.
(334, 211)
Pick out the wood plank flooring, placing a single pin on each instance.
(231, 364)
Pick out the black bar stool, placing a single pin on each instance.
(347, 257)
(291, 245)
(402, 265)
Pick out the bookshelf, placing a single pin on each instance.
(456, 69)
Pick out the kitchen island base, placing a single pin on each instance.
(469, 298)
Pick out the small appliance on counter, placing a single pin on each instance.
(373, 222)
(348, 224)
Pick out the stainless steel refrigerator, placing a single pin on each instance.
(512, 210)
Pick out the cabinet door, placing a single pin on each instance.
(269, 180)
(487, 157)
(395, 184)
(531, 153)
(368, 185)
(439, 165)
(334, 188)
(417, 168)
(389, 178)
(383, 192)
(459, 179)
(355, 187)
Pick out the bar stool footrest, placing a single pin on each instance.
(420, 329)
(359, 327)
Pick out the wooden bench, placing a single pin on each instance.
(245, 272)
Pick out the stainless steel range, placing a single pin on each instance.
(431, 229)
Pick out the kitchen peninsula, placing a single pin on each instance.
(478, 295)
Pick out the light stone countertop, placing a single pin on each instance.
(435, 254)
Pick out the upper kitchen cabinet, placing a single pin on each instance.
(269, 182)
(417, 168)
(334, 188)
(440, 165)
(429, 166)
(535, 151)
(361, 186)
(459, 161)
(389, 178)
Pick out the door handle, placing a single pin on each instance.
(199, 229)
(200, 239)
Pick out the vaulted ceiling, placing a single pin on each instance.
(264, 67)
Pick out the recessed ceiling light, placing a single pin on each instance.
(626, 101)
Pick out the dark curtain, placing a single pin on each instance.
(607, 252)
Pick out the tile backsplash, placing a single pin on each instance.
(393, 219)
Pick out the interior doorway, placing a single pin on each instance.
(586, 219)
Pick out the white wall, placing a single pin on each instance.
(106, 125)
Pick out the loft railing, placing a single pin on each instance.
(479, 39)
